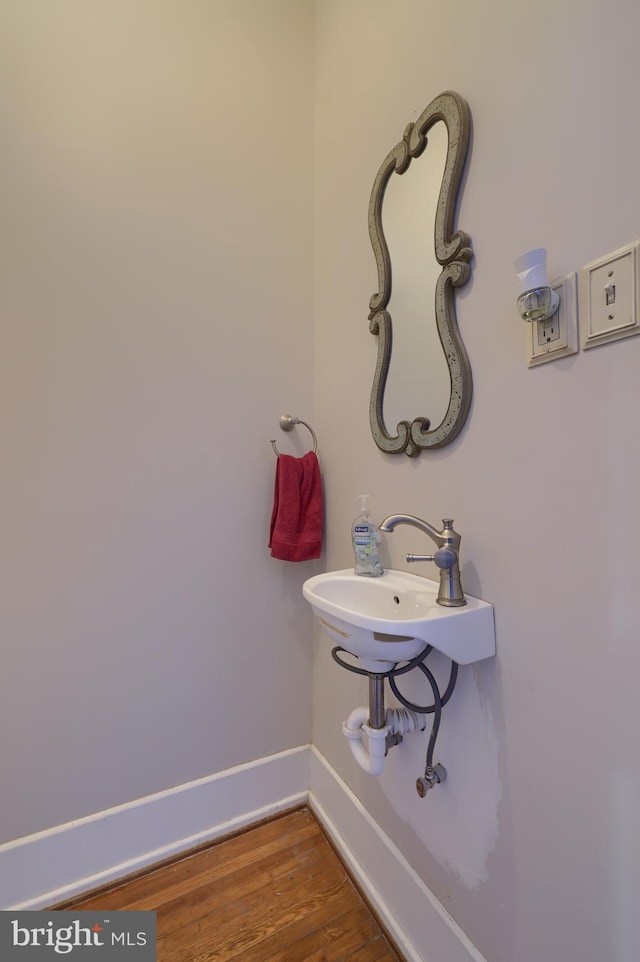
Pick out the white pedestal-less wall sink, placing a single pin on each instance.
(389, 619)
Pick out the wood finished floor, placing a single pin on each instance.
(276, 893)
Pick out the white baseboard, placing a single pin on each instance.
(51, 866)
(416, 920)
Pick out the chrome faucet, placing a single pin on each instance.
(447, 557)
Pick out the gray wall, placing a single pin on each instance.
(533, 844)
(156, 321)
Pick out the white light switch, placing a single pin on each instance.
(610, 292)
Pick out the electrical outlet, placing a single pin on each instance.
(547, 331)
(558, 336)
(610, 297)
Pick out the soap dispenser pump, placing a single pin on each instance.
(366, 538)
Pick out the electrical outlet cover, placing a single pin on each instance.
(557, 337)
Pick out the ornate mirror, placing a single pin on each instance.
(422, 363)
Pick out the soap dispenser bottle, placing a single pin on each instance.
(366, 538)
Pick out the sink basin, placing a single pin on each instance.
(391, 618)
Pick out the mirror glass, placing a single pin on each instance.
(422, 385)
(418, 381)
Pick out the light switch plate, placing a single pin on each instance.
(557, 337)
(610, 294)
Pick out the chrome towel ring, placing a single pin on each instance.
(287, 423)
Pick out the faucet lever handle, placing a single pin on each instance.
(444, 557)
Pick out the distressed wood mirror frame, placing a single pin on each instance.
(453, 252)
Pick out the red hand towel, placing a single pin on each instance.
(296, 520)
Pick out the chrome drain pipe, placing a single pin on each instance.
(376, 702)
